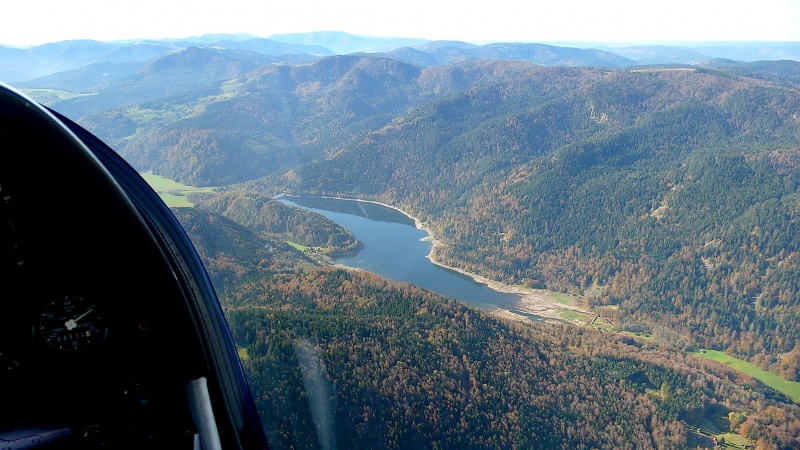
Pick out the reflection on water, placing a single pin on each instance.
(371, 211)
(394, 248)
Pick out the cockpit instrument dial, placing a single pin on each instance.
(71, 322)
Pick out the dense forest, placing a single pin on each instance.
(267, 216)
(667, 197)
(673, 191)
(346, 359)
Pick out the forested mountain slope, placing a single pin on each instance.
(672, 193)
(176, 73)
(340, 358)
(442, 53)
(278, 117)
(667, 196)
(232, 252)
(272, 218)
(785, 72)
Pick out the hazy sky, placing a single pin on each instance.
(31, 22)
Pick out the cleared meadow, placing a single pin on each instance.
(790, 388)
(174, 194)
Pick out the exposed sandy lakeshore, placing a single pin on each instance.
(537, 302)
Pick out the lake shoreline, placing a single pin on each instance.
(532, 302)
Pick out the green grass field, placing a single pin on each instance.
(790, 388)
(49, 96)
(571, 316)
(603, 324)
(633, 334)
(172, 193)
(564, 299)
(297, 246)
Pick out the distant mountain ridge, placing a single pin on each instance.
(26, 64)
(344, 43)
(442, 53)
(17, 65)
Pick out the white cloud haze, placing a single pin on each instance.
(30, 22)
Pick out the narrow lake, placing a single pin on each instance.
(394, 248)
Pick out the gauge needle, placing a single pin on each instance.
(72, 323)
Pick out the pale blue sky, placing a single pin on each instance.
(31, 22)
